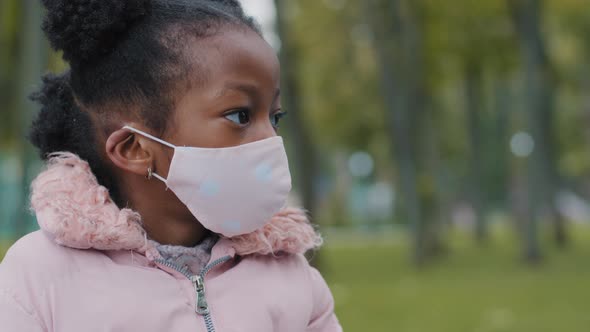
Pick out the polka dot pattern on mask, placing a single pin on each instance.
(209, 188)
(263, 172)
(232, 226)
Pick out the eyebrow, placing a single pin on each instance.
(246, 88)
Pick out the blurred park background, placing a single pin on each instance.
(442, 147)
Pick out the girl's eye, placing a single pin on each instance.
(240, 117)
(276, 118)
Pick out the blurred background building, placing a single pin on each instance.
(442, 147)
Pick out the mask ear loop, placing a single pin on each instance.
(137, 131)
(150, 172)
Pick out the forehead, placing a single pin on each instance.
(235, 55)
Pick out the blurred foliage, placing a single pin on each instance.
(461, 146)
(342, 95)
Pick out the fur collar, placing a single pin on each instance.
(73, 209)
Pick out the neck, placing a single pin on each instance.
(174, 232)
(165, 219)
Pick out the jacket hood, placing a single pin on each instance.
(75, 211)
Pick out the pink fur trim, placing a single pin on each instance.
(288, 231)
(77, 212)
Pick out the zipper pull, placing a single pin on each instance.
(201, 306)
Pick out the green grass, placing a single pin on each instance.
(471, 289)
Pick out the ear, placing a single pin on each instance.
(130, 152)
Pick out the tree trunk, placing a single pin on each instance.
(502, 108)
(304, 155)
(473, 103)
(543, 177)
(399, 52)
(304, 151)
(432, 184)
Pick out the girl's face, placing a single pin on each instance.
(235, 100)
(238, 100)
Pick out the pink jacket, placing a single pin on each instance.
(90, 268)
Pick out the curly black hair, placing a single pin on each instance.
(124, 56)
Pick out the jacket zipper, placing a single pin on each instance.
(198, 281)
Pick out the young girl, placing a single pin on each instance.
(162, 206)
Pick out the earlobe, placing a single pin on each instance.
(126, 152)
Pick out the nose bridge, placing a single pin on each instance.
(264, 130)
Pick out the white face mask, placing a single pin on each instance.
(231, 191)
